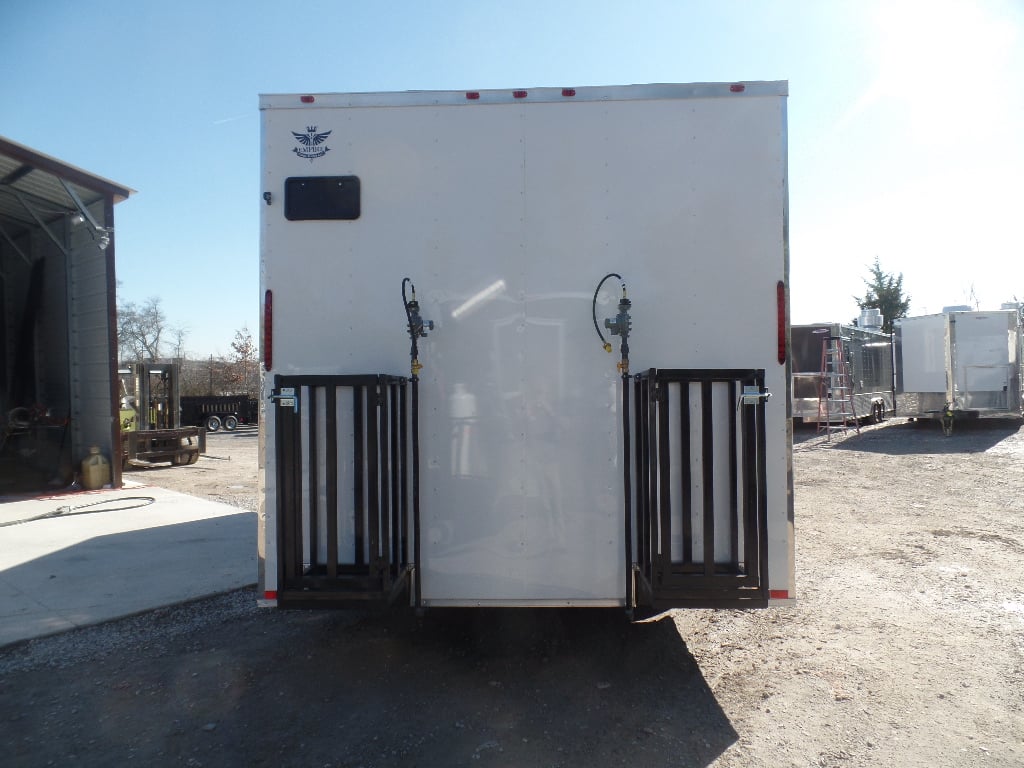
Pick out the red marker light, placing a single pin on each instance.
(737, 87)
(268, 330)
(780, 308)
(472, 95)
(307, 99)
(568, 92)
(518, 94)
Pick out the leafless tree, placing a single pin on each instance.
(142, 331)
(246, 372)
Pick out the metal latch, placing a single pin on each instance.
(752, 395)
(286, 398)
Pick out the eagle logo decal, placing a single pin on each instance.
(312, 143)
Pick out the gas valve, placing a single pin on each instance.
(621, 325)
(417, 327)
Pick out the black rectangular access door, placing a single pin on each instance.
(699, 507)
(322, 198)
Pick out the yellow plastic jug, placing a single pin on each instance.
(95, 470)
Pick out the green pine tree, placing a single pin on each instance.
(885, 293)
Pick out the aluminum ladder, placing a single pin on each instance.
(836, 411)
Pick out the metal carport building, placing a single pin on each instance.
(58, 325)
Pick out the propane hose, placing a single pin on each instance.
(593, 308)
(408, 314)
(405, 301)
(144, 501)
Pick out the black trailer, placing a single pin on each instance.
(216, 411)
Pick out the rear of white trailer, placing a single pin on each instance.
(443, 425)
(959, 365)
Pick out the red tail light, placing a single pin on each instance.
(780, 308)
(268, 330)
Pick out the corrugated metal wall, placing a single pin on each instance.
(89, 335)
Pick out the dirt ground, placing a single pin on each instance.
(225, 473)
(905, 648)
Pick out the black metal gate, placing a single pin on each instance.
(347, 485)
(699, 506)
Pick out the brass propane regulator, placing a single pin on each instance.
(417, 327)
(620, 325)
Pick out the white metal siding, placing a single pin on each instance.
(924, 353)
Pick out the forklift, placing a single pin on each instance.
(151, 429)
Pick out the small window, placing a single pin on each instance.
(321, 198)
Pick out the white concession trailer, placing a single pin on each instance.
(869, 361)
(959, 364)
(526, 348)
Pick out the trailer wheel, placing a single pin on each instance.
(230, 422)
(212, 423)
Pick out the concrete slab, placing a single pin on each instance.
(76, 559)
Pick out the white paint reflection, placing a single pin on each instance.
(477, 299)
(467, 457)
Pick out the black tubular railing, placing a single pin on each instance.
(344, 509)
(700, 479)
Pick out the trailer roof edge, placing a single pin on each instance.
(737, 89)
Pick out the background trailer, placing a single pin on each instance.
(870, 363)
(967, 364)
(58, 332)
(443, 425)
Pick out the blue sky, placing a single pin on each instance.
(906, 120)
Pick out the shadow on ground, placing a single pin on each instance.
(502, 687)
(914, 437)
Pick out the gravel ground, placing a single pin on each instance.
(905, 648)
(225, 473)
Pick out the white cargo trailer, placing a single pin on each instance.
(959, 364)
(443, 426)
